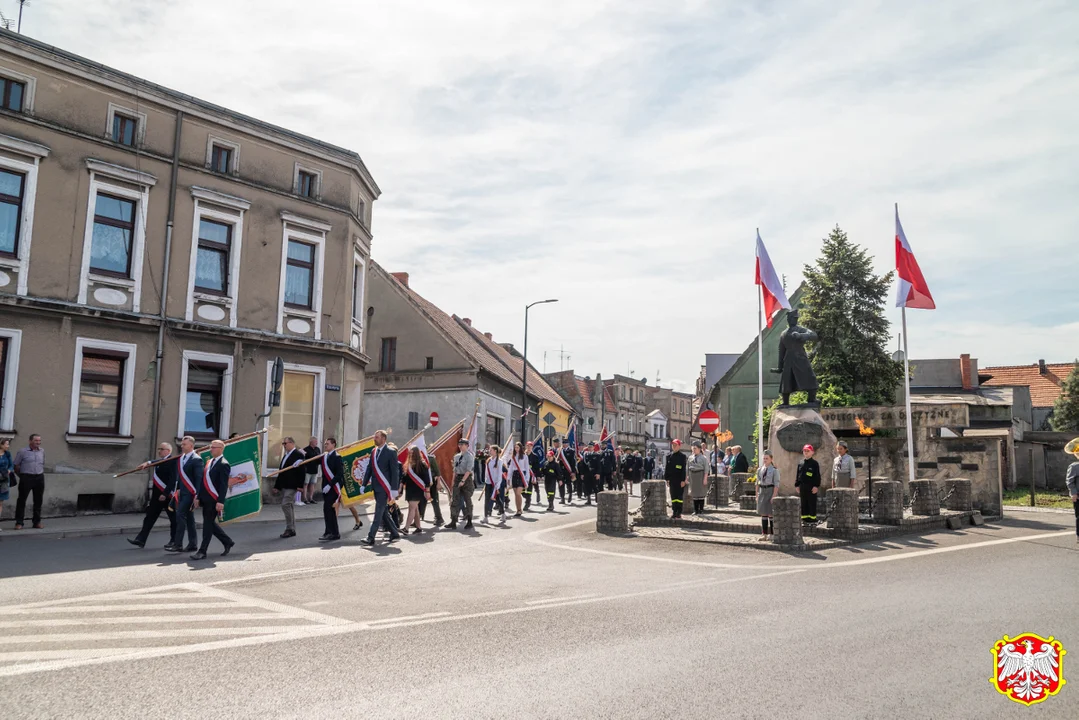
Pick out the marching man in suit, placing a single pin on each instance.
(161, 490)
(189, 469)
(211, 497)
(288, 482)
(383, 474)
(333, 474)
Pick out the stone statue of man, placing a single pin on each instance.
(795, 371)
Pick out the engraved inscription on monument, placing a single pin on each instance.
(795, 436)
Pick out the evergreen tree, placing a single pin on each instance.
(1065, 416)
(844, 304)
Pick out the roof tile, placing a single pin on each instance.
(1044, 389)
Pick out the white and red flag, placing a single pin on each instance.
(913, 292)
(771, 287)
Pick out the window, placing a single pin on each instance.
(413, 421)
(124, 129)
(387, 359)
(202, 406)
(9, 376)
(12, 185)
(114, 228)
(300, 413)
(429, 363)
(212, 263)
(11, 94)
(300, 274)
(221, 159)
(101, 387)
(357, 292)
(307, 184)
(494, 430)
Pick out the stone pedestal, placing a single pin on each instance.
(787, 521)
(719, 491)
(612, 513)
(842, 504)
(653, 500)
(738, 484)
(887, 501)
(923, 498)
(957, 494)
(747, 502)
(791, 429)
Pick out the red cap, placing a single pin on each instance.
(676, 441)
(807, 447)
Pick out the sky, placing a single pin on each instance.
(619, 156)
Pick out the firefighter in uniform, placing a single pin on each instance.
(607, 468)
(551, 473)
(675, 475)
(463, 467)
(808, 483)
(583, 475)
(595, 476)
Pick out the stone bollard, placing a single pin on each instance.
(957, 495)
(612, 512)
(747, 502)
(923, 498)
(787, 520)
(653, 501)
(842, 504)
(887, 502)
(738, 484)
(719, 492)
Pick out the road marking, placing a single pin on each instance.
(127, 607)
(145, 634)
(561, 599)
(405, 618)
(99, 653)
(535, 538)
(316, 603)
(141, 620)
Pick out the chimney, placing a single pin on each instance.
(964, 371)
(401, 278)
(1042, 370)
(467, 321)
(488, 336)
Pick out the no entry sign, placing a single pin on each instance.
(709, 421)
(434, 420)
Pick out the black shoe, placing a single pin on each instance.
(329, 538)
(468, 525)
(394, 539)
(190, 548)
(136, 543)
(199, 556)
(358, 525)
(589, 501)
(176, 549)
(368, 542)
(227, 550)
(450, 526)
(288, 534)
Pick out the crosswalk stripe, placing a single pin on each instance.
(147, 634)
(136, 620)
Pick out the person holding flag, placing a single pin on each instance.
(383, 475)
(535, 461)
(567, 471)
(333, 474)
(607, 463)
(520, 475)
(493, 485)
(417, 479)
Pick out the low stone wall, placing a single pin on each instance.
(612, 511)
(653, 501)
(924, 498)
(62, 491)
(842, 504)
(787, 521)
(887, 502)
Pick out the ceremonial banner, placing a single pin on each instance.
(245, 478)
(355, 458)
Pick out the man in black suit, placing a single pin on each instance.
(212, 492)
(163, 485)
(288, 481)
(739, 462)
(189, 468)
(383, 475)
(333, 474)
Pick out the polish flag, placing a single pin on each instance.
(913, 292)
(420, 443)
(771, 287)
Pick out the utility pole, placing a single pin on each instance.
(21, 4)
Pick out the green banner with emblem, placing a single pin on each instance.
(355, 458)
(244, 498)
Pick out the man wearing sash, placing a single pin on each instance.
(162, 486)
(462, 485)
(211, 497)
(383, 474)
(567, 472)
(189, 469)
(333, 473)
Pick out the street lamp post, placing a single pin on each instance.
(524, 370)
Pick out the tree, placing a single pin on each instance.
(844, 304)
(1065, 416)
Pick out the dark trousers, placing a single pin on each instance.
(549, 486)
(595, 486)
(491, 500)
(211, 528)
(566, 488)
(185, 519)
(677, 491)
(30, 484)
(605, 480)
(433, 504)
(809, 503)
(329, 514)
(1076, 504)
(382, 515)
(153, 512)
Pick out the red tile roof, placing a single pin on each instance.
(1044, 389)
(537, 385)
(585, 390)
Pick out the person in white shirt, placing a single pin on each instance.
(843, 467)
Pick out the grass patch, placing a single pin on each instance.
(1052, 499)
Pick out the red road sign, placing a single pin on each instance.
(709, 421)
(434, 420)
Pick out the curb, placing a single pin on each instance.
(160, 526)
(1027, 508)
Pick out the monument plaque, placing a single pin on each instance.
(794, 437)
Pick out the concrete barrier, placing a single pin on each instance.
(612, 512)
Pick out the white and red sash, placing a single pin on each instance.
(565, 462)
(328, 475)
(382, 479)
(416, 479)
(157, 482)
(206, 482)
(183, 476)
(524, 474)
(494, 474)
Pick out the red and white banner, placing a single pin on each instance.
(775, 297)
(913, 291)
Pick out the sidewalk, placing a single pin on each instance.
(131, 523)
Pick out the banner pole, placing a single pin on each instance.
(906, 383)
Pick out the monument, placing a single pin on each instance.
(795, 371)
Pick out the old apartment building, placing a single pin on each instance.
(157, 252)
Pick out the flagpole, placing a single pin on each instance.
(760, 374)
(906, 382)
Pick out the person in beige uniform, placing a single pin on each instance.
(842, 467)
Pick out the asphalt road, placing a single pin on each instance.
(542, 618)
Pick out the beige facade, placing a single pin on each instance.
(114, 193)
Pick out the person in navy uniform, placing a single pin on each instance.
(534, 463)
(211, 498)
(189, 469)
(584, 474)
(551, 472)
(383, 475)
(607, 468)
(566, 471)
(333, 474)
(808, 483)
(162, 486)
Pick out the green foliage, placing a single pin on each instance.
(1065, 416)
(828, 395)
(844, 303)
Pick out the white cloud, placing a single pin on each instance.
(620, 155)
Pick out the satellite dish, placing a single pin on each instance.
(644, 381)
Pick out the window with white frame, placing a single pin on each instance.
(10, 341)
(358, 275)
(18, 189)
(17, 91)
(205, 395)
(115, 234)
(222, 156)
(125, 125)
(302, 258)
(12, 194)
(102, 391)
(216, 243)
